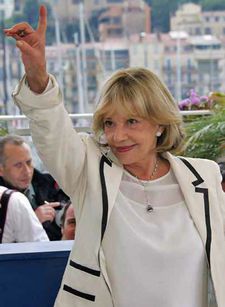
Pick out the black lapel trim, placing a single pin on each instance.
(205, 193)
(103, 160)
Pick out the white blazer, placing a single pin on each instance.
(91, 177)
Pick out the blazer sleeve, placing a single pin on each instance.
(58, 145)
(221, 195)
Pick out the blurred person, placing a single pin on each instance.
(150, 225)
(68, 222)
(17, 172)
(18, 221)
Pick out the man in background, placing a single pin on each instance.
(68, 222)
(18, 222)
(17, 172)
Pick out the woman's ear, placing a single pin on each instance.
(159, 131)
(103, 139)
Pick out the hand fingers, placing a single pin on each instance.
(53, 204)
(21, 30)
(42, 22)
(45, 213)
(47, 217)
(50, 214)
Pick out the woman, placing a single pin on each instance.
(150, 226)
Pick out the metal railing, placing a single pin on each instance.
(87, 116)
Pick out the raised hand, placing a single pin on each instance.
(32, 46)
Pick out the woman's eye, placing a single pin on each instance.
(132, 121)
(108, 123)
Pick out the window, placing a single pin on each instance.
(114, 31)
(208, 31)
(115, 20)
(17, 5)
(197, 31)
(217, 18)
(189, 63)
(168, 64)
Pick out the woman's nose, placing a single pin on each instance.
(119, 134)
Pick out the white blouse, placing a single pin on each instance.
(154, 259)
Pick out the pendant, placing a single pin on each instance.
(149, 209)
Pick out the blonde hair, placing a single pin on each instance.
(139, 92)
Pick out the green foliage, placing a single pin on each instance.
(16, 18)
(163, 9)
(31, 8)
(3, 128)
(209, 5)
(206, 136)
(29, 14)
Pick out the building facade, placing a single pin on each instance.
(190, 18)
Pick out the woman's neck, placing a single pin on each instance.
(156, 168)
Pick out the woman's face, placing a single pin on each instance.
(132, 139)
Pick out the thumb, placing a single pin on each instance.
(23, 46)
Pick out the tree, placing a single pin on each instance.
(31, 7)
(215, 5)
(162, 10)
(30, 15)
(206, 136)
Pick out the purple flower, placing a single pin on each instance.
(193, 100)
(184, 103)
(204, 98)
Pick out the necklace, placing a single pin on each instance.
(149, 207)
(153, 172)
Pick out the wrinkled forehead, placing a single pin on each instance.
(70, 212)
(20, 152)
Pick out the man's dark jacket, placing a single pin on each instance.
(46, 189)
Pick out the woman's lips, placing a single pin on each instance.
(122, 149)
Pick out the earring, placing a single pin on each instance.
(158, 134)
(102, 139)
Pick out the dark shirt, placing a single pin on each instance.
(45, 189)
